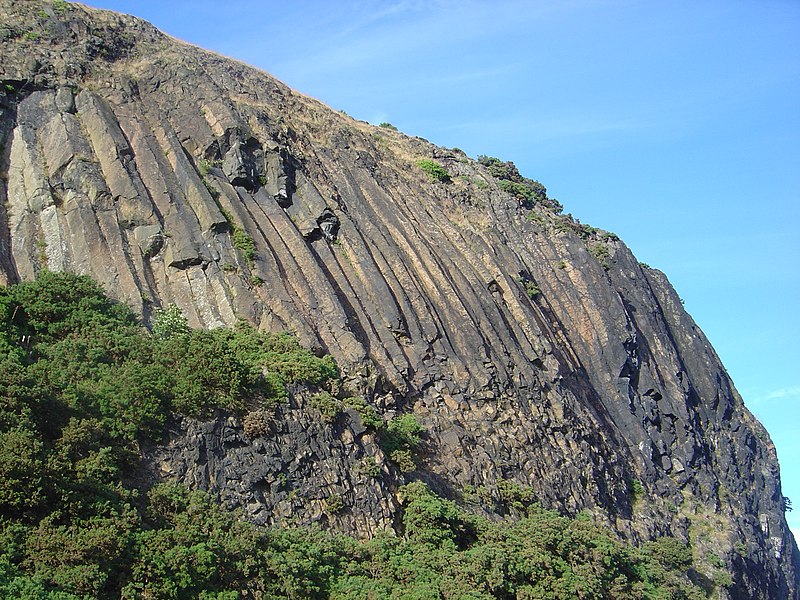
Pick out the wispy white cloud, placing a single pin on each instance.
(761, 398)
(788, 392)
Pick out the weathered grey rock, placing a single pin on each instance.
(241, 163)
(286, 473)
(150, 239)
(65, 100)
(417, 289)
(276, 180)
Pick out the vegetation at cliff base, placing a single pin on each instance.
(82, 384)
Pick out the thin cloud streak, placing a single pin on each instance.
(780, 395)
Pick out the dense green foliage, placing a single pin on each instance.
(434, 170)
(81, 383)
(399, 437)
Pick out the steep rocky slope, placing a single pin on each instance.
(533, 349)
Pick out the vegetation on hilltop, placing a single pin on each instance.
(528, 191)
(81, 382)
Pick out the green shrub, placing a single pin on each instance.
(21, 468)
(434, 170)
(402, 432)
(669, 552)
(328, 406)
(334, 504)
(369, 467)
(388, 126)
(241, 240)
(602, 253)
(369, 416)
(515, 495)
(60, 6)
(531, 289)
(403, 460)
(169, 322)
(245, 244)
(429, 519)
(635, 489)
(399, 438)
(528, 191)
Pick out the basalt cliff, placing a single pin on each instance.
(533, 349)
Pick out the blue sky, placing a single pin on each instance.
(674, 124)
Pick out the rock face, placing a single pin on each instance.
(532, 348)
(295, 469)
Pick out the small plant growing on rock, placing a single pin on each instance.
(531, 289)
(256, 423)
(601, 252)
(399, 438)
(244, 243)
(635, 489)
(434, 170)
(242, 240)
(369, 467)
(404, 460)
(60, 6)
(334, 504)
(328, 406)
(386, 125)
(369, 416)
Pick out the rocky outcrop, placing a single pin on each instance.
(286, 466)
(532, 348)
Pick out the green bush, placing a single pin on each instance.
(601, 252)
(334, 504)
(515, 495)
(434, 170)
(531, 289)
(403, 432)
(60, 6)
(528, 191)
(241, 240)
(245, 244)
(328, 406)
(399, 438)
(369, 416)
(169, 322)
